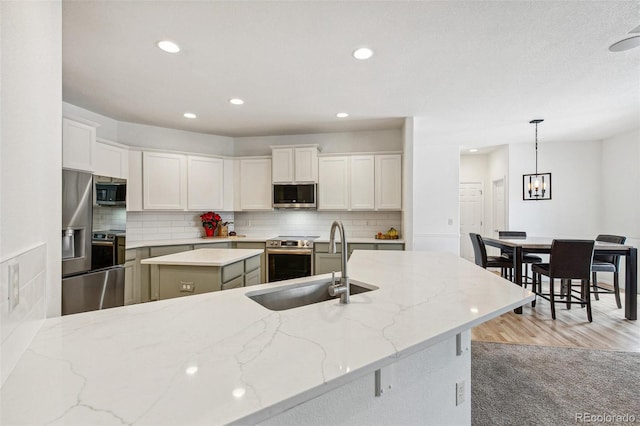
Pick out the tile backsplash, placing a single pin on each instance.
(106, 218)
(149, 226)
(306, 222)
(20, 324)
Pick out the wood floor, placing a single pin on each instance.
(609, 329)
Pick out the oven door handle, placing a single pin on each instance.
(289, 251)
(102, 243)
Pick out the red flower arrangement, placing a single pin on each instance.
(210, 220)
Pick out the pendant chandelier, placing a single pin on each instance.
(536, 186)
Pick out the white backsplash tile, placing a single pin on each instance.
(106, 218)
(19, 325)
(150, 226)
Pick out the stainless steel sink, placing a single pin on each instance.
(301, 294)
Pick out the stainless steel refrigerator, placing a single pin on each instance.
(84, 289)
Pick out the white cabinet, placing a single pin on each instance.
(362, 182)
(388, 182)
(282, 159)
(255, 184)
(333, 183)
(205, 183)
(164, 181)
(110, 160)
(231, 196)
(295, 164)
(134, 182)
(78, 140)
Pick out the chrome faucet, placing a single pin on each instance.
(342, 288)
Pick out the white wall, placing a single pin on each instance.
(31, 159)
(364, 141)
(407, 183)
(435, 189)
(574, 210)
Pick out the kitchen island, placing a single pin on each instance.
(202, 271)
(220, 358)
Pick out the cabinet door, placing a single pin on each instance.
(78, 140)
(333, 183)
(134, 182)
(327, 263)
(231, 185)
(110, 160)
(205, 183)
(164, 181)
(252, 278)
(255, 184)
(389, 182)
(282, 165)
(362, 182)
(129, 282)
(306, 164)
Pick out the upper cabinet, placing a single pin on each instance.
(388, 182)
(205, 183)
(360, 182)
(78, 144)
(255, 184)
(295, 164)
(164, 181)
(109, 159)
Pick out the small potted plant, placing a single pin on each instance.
(210, 221)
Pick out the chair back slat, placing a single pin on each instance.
(512, 234)
(479, 249)
(571, 259)
(610, 258)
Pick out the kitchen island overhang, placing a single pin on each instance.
(220, 358)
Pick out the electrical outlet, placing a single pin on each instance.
(14, 285)
(188, 287)
(460, 389)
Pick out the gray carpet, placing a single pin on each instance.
(518, 385)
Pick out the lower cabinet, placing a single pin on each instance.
(262, 275)
(326, 262)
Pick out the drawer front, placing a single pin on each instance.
(235, 283)
(252, 278)
(390, 246)
(224, 244)
(252, 263)
(164, 250)
(326, 263)
(232, 271)
(324, 247)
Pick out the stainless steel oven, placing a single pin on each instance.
(104, 249)
(289, 257)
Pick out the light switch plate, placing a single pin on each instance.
(14, 285)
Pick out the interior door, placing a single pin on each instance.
(471, 215)
(499, 207)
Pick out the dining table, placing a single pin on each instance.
(542, 245)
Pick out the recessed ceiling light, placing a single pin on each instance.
(473, 150)
(168, 46)
(363, 53)
(626, 44)
(189, 115)
(342, 115)
(236, 101)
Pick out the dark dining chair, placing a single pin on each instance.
(569, 260)
(527, 259)
(607, 263)
(481, 258)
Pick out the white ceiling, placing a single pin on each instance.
(477, 71)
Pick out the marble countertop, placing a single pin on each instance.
(203, 257)
(219, 357)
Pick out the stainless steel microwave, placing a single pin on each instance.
(294, 196)
(111, 193)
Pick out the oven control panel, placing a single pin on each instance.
(290, 243)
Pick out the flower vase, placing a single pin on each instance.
(209, 231)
